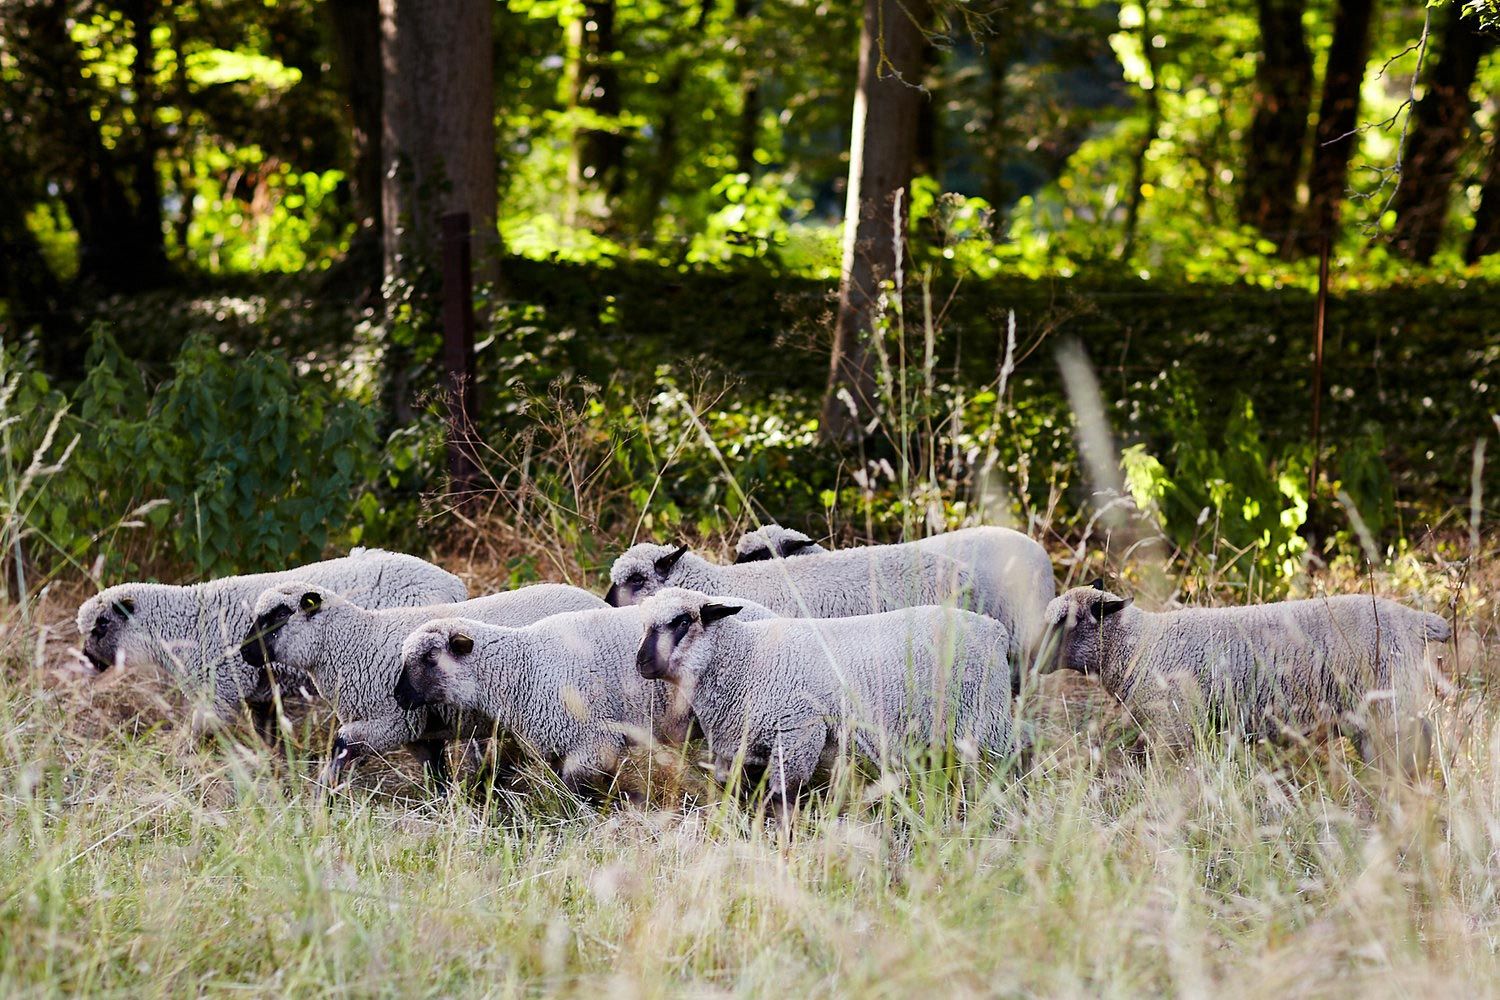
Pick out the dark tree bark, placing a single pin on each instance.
(1338, 119)
(1278, 128)
(1136, 194)
(1485, 239)
(596, 175)
(882, 151)
(998, 191)
(120, 242)
(748, 138)
(438, 131)
(36, 299)
(355, 26)
(1440, 121)
(662, 170)
(145, 185)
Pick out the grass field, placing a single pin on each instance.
(134, 860)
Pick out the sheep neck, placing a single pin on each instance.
(720, 689)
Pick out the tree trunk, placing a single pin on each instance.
(145, 184)
(1136, 194)
(750, 104)
(1278, 128)
(996, 188)
(1439, 123)
(882, 148)
(1338, 119)
(437, 131)
(596, 175)
(355, 26)
(118, 248)
(664, 167)
(1485, 239)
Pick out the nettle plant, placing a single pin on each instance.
(260, 466)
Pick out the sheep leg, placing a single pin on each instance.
(433, 756)
(357, 739)
(790, 765)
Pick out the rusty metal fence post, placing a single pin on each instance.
(458, 355)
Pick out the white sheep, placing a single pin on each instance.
(772, 541)
(787, 696)
(1353, 665)
(194, 632)
(835, 585)
(566, 686)
(1004, 562)
(354, 655)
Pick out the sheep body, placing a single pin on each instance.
(791, 694)
(566, 686)
(1353, 664)
(354, 654)
(194, 632)
(1013, 572)
(833, 585)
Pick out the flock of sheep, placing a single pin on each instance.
(784, 662)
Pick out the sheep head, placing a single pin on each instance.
(676, 623)
(289, 626)
(642, 571)
(439, 666)
(1080, 625)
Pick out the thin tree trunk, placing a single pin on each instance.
(1338, 120)
(1278, 128)
(748, 137)
(438, 131)
(1439, 124)
(145, 184)
(1153, 128)
(664, 168)
(882, 150)
(596, 175)
(998, 191)
(1485, 239)
(355, 26)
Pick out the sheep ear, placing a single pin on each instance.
(124, 607)
(311, 602)
(1098, 583)
(711, 613)
(1107, 608)
(759, 555)
(460, 644)
(665, 563)
(798, 545)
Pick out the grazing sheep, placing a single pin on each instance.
(194, 632)
(567, 686)
(1005, 563)
(772, 541)
(1354, 665)
(834, 585)
(790, 694)
(354, 654)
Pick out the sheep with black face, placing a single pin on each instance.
(1013, 572)
(790, 695)
(567, 686)
(354, 655)
(1352, 664)
(194, 632)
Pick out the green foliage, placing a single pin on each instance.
(242, 463)
(1218, 493)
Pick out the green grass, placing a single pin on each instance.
(133, 861)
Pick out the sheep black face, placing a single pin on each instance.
(641, 572)
(1080, 625)
(436, 668)
(666, 650)
(287, 627)
(105, 621)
